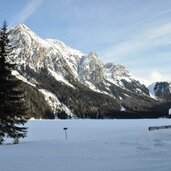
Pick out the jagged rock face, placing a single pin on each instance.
(116, 71)
(118, 75)
(73, 82)
(161, 90)
(91, 69)
(37, 53)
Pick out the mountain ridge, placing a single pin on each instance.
(53, 67)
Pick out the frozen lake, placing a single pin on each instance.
(91, 145)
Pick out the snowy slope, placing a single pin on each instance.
(120, 76)
(95, 145)
(152, 90)
(116, 73)
(55, 104)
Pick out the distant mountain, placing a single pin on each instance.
(161, 91)
(64, 82)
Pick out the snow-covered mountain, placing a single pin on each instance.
(38, 53)
(75, 83)
(91, 70)
(62, 60)
(118, 75)
(160, 90)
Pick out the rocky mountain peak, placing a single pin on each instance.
(160, 90)
(93, 54)
(116, 71)
(40, 53)
(22, 27)
(23, 32)
(91, 69)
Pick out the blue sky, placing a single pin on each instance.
(134, 33)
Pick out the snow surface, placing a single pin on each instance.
(51, 98)
(59, 77)
(54, 102)
(19, 76)
(170, 87)
(122, 108)
(92, 145)
(152, 91)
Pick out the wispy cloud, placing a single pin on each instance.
(146, 53)
(28, 10)
(155, 37)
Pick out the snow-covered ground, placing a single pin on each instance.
(91, 145)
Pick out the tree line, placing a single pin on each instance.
(12, 98)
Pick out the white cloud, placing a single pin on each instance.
(157, 76)
(154, 76)
(29, 9)
(159, 31)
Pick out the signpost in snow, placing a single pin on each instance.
(65, 129)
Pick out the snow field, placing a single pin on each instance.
(92, 145)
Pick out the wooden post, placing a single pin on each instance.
(65, 129)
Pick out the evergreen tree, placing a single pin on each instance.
(12, 104)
